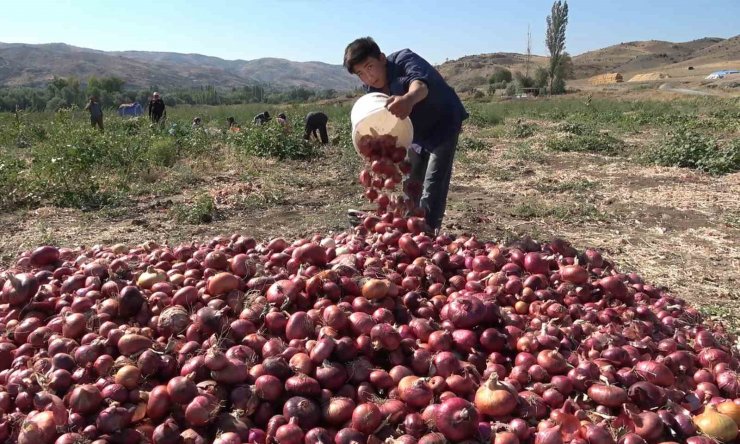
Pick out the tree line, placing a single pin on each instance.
(111, 91)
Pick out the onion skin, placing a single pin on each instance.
(493, 400)
(375, 289)
(716, 425)
(731, 409)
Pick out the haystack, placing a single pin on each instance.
(649, 76)
(607, 79)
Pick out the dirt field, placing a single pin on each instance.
(675, 227)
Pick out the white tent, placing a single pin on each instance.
(721, 74)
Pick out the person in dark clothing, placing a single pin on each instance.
(419, 92)
(156, 108)
(96, 113)
(261, 118)
(316, 122)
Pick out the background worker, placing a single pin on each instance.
(157, 108)
(316, 122)
(96, 112)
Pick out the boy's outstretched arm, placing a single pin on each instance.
(401, 106)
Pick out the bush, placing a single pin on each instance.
(510, 90)
(484, 115)
(163, 152)
(201, 211)
(558, 86)
(689, 149)
(523, 81)
(11, 170)
(601, 143)
(500, 75)
(522, 130)
(470, 144)
(70, 169)
(576, 128)
(272, 141)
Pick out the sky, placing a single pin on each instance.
(319, 30)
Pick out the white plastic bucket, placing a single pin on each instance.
(370, 117)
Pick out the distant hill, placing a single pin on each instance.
(629, 58)
(34, 65)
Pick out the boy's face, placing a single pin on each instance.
(372, 71)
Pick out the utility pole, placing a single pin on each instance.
(529, 52)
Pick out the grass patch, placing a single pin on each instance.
(600, 143)
(484, 115)
(492, 132)
(260, 201)
(272, 141)
(575, 128)
(522, 130)
(202, 210)
(569, 186)
(524, 151)
(719, 313)
(690, 149)
(468, 144)
(502, 174)
(732, 219)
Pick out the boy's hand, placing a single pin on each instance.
(399, 106)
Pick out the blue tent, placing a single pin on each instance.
(130, 110)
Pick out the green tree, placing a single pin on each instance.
(523, 81)
(57, 83)
(566, 70)
(55, 104)
(111, 84)
(500, 75)
(94, 83)
(555, 38)
(540, 77)
(510, 89)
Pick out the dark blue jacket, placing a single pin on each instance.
(439, 116)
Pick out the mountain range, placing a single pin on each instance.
(35, 64)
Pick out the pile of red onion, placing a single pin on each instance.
(386, 166)
(377, 334)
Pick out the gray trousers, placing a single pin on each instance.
(434, 171)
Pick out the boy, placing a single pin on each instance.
(419, 92)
